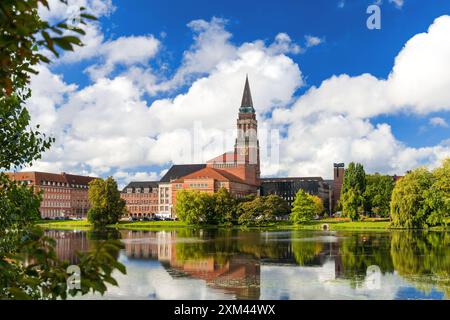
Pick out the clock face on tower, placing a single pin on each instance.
(243, 151)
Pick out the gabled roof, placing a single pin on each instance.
(179, 170)
(212, 173)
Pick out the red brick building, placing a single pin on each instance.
(239, 170)
(64, 195)
(141, 198)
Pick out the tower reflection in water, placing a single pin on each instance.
(256, 265)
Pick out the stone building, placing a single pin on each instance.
(64, 195)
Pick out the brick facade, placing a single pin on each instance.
(141, 198)
(64, 195)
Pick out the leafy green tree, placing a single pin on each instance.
(354, 178)
(106, 204)
(22, 34)
(319, 205)
(251, 211)
(377, 196)
(408, 204)
(29, 267)
(303, 208)
(437, 198)
(353, 188)
(195, 207)
(352, 204)
(225, 206)
(275, 206)
(261, 210)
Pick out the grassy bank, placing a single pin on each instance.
(332, 224)
(128, 225)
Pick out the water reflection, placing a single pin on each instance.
(220, 264)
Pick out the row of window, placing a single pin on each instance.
(142, 208)
(55, 204)
(142, 201)
(63, 184)
(57, 196)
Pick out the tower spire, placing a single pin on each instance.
(247, 102)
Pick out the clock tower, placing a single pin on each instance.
(246, 147)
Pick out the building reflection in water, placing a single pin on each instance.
(239, 274)
(254, 265)
(68, 243)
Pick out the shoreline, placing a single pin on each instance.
(317, 225)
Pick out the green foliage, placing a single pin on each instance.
(353, 188)
(225, 207)
(408, 209)
(23, 33)
(319, 205)
(422, 198)
(29, 267)
(303, 208)
(262, 210)
(354, 178)
(106, 205)
(352, 202)
(377, 196)
(437, 198)
(195, 207)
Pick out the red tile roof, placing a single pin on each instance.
(212, 173)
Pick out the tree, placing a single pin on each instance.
(353, 188)
(225, 206)
(23, 33)
(251, 211)
(318, 205)
(304, 208)
(20, 241)
(377, 196)
(408, 199)
(437, 198)
(262, 209)
(195, 207)
(106, 204)
(354, 177)
(352, 204)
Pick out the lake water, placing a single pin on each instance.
(234, 264)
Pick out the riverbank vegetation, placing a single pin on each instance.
(29, 266)
(420, 199)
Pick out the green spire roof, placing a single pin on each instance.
(247, 102)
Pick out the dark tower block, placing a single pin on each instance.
(246, 147)
(338, 180)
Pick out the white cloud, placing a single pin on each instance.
(127, 51)
(438, 122)
(107, 127)
(312, 41)
(398, 3)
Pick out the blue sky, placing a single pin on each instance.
(165, 57)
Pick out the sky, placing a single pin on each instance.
(160, 82)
